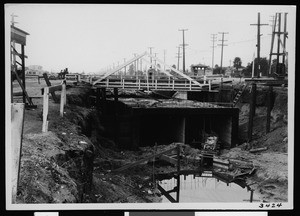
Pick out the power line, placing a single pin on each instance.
(222, 45)
(214, 38)
(183, 49)
(258, 24)
(150, 53)
(178, 57)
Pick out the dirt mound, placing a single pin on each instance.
(42, 180)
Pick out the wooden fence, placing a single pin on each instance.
(63, 101)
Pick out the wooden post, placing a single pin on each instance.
(116, 122)
(17, 121)
(64, 90)
(269, 107)
(252, 111)
(23, 72)
(178, 173)
(49, 84)
(251, 196)
(220, 90)
(45, 109)
(98, 95)
(62, 99)
(103, 100)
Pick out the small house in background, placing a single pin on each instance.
(199, 69)
(34, 70)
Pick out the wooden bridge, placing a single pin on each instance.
(156, 84)
(172, 79)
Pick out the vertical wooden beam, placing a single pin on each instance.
(103, 100)
(98, 96)
(235, 128)
(45, 109)
(17, 121)
(62, 99)
(49, 84)
(23, 72)
(116, 122)
(269, 107)
(252, 111)
(178, 173)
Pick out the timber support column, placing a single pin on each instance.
(23, 72)
(98, 96)
(103, 101)
(252, 111)
(116, 120)
(269, 108)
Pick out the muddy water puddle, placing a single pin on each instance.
(203, 189)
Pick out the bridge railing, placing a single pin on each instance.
(156, 84)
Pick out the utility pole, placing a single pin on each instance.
(13, 43)
(214, 38)
(222, 45)
(183, 49)
(178, 57)
(284, 40)
(164, 60)
(135, 64)
(150, 54)
(124, 67)
(258, 43)
(155, 59)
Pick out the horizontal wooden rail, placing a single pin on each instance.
(143, 160)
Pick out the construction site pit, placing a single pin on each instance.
(85, 157)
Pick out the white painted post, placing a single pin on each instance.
(45, 109)
(209, 83)
(79, 78)
(173, 83)
(62, 99)
(107, 81)
(17, 122)
(156, 84)
(190, 85)
(204, 79)
(139, 84)
(123, 83)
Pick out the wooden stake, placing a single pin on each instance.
(252, 111)
(45, 108)
(62, 99)
(269, 103)
(17, 121)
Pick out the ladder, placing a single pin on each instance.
(239, 94)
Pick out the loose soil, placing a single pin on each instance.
(73, 162)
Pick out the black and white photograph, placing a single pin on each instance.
(149, 106)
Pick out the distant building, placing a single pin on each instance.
(34, 70)
(199, 70)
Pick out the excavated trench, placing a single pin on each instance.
(108, 146)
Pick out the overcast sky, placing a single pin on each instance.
(93, 37)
